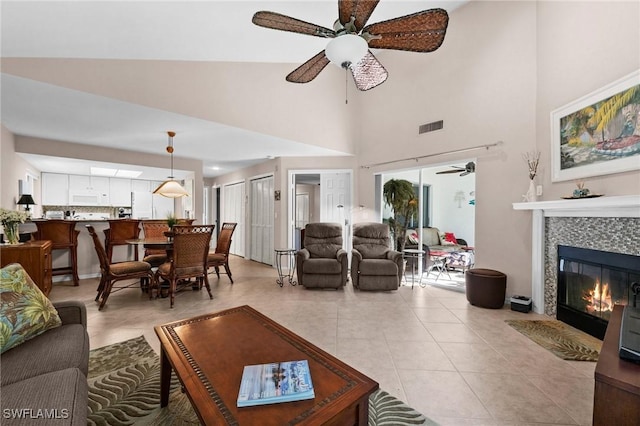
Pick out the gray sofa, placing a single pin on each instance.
(44, 380)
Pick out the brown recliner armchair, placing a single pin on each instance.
(374, 266)
(322, 263)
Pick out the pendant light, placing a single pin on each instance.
(171, 188)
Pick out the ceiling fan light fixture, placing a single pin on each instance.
(346, 49)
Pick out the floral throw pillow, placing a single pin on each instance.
(25, 311)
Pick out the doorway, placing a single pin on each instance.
(319, 196)
(234, 211)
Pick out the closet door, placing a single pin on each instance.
(233, 211)
(262, 211)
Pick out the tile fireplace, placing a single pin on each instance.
(610, 224)
(590, 283)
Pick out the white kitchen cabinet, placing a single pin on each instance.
(138, 185)
(89, 183)
(120, 192)
(89, 190)
(55, 189)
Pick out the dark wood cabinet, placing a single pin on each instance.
(35, 258)
(616, 400)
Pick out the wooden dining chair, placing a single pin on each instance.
(114, 272)
(189, 258)
(154, 229)
(220, 257)
(119, 231)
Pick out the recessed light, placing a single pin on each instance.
(215, 168)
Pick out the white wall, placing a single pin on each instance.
(14, 168)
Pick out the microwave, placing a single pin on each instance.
(87, 198)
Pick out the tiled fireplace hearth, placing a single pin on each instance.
(607, 224)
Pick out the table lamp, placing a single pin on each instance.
(26, 200)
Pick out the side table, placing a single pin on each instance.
(416, 256)
(35, 258)
(290, 254)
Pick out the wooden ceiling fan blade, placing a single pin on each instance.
(419, 32)
(309, 70)
(368, 72)
(361, 10)
(277, 21)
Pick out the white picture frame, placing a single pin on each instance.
(587, 154)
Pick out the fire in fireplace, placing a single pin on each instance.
(590, 283)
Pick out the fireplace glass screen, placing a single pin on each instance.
(594, 289)
(590, 283)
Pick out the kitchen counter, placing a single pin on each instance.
(75, 220)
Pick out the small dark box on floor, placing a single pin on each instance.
(521, 303)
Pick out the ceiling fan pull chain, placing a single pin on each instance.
(346, 84)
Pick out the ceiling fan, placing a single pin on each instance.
(349, 48)
(470, 167)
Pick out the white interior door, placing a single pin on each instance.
(302, 210)
(262, 209)
(234, 211)
(335, 202)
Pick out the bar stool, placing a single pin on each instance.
(63, 236)
(119, 231)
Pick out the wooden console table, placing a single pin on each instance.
(35, 258)
(616, 400)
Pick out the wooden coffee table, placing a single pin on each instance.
(209, 352)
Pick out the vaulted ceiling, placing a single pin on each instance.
(120, 74)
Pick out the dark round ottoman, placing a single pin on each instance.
(485, 287)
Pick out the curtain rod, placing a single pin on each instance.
(455, 151)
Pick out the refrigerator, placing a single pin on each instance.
(146, 205)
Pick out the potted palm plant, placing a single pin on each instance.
(400, 196)
(171, 221)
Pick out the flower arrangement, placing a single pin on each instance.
(532, 159)
(10, 220)
(12, 216)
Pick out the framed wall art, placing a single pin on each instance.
(598, 134)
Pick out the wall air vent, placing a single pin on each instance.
(430, 127)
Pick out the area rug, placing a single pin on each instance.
(124, 389)
(561, 339)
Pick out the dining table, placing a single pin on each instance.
(164, 243)
(152, 243)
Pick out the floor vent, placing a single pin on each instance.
(430, 127)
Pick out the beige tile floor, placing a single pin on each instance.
(457, 364)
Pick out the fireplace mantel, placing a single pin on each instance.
(615, 206)
(618, 206)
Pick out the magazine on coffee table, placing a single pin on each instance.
(274, 383)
